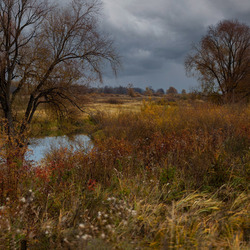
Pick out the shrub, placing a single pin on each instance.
(114, 101)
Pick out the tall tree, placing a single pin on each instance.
(160, 91)
(44, 49)
(221, 60)
(171, 91)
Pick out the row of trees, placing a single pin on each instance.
(121, 90)
(125, 90)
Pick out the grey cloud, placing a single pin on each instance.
(153, 37)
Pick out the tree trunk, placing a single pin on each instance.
(14, 154)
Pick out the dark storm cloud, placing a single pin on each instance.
(234, 9)
(153, 37)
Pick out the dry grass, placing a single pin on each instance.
(113, 108)
(101, 104)
(164, 177)
(75, 121)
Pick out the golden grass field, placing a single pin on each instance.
(101, 104)
(45, 123)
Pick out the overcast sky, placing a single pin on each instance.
(154, 36)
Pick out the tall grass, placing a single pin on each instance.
(167, 177)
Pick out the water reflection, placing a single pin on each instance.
(39, 147)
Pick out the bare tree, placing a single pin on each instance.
(171, 91)
(148, 91)
(160, 91)
(44, 49)
(221, 60)
(183, 92)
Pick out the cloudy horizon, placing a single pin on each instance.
(153, 38)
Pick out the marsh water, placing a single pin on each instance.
(39, 147)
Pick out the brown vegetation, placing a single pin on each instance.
(165, 177)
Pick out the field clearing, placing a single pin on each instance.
(46, 123)
(117, 104)
(114, 108)
(110, 104)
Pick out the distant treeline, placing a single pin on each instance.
(125, 90)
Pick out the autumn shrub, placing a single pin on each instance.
(63, 166)
(13, 169)
(122, 125)
(202, 141)
(114, 100)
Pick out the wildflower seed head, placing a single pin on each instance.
(23, 200)
(86, 236)
(124, 222)
(134, 213)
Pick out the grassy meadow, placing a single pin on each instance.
(76, 121)
(162, 174)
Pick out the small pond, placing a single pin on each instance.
(40, 146)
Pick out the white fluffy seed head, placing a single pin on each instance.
(23, 199)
